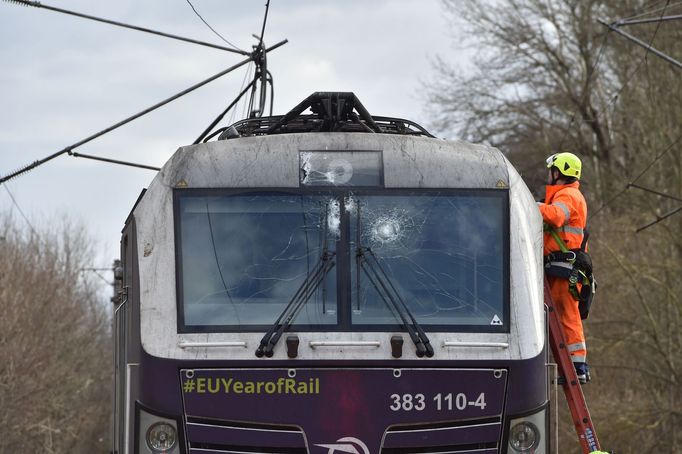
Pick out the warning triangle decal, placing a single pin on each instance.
(496, 320)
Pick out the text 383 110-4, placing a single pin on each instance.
(442, 402)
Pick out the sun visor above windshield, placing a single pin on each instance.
(332, 159)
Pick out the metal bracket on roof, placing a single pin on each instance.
(334, 108)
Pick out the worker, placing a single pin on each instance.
(564, 213)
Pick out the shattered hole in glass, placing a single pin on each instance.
(333, 211)
(389, 228)
(340, 168)
(319, 170)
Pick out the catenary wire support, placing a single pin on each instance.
(70, 148)
(261, 76)
(261, 73)
(223, 113)
(639, 42)
(124, 25)
(113, 161)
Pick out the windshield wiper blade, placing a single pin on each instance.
(307, 288)
(392, 298)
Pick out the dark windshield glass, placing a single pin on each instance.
(443, 254)
(244, 256)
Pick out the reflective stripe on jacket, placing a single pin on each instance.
(565, 210)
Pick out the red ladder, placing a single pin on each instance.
(574, 393)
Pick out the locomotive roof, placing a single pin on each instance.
(330, 112)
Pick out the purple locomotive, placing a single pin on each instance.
(332, 282)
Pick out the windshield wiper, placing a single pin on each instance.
(385, 288)
(308, 287)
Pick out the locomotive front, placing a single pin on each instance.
(333, 291)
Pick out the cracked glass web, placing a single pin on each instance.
(245, 255)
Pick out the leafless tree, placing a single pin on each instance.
(54, 344)
(548, 77)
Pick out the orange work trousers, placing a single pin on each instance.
(569, 315)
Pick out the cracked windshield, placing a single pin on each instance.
(442, 255)
(244, 257)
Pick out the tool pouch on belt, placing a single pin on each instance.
(582, 273)
(576, 267)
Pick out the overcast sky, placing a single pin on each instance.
(65, 78)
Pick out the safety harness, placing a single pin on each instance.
(575, 265)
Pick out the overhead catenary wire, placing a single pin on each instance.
(611, 103)
(241, 87)
(245, 106)
(124, 25)
(650, 20)
(211, 28)
(259, 58)
(652, 11)
(21, 212)
(629, 78)
(666, 215)
(97, 272)
(640, 175)
(648, 48)
(70, 148)
(659, 219)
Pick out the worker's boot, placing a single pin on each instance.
(583, 372)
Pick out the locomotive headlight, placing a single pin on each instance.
(524, 436)
(528, 434)
(156, 434)
(161, 437)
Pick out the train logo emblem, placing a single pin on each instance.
(347, 444)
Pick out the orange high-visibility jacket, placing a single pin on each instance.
(565, 210)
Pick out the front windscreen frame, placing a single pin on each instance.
(342, 273)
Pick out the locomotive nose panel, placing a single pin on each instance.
(364, 411)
